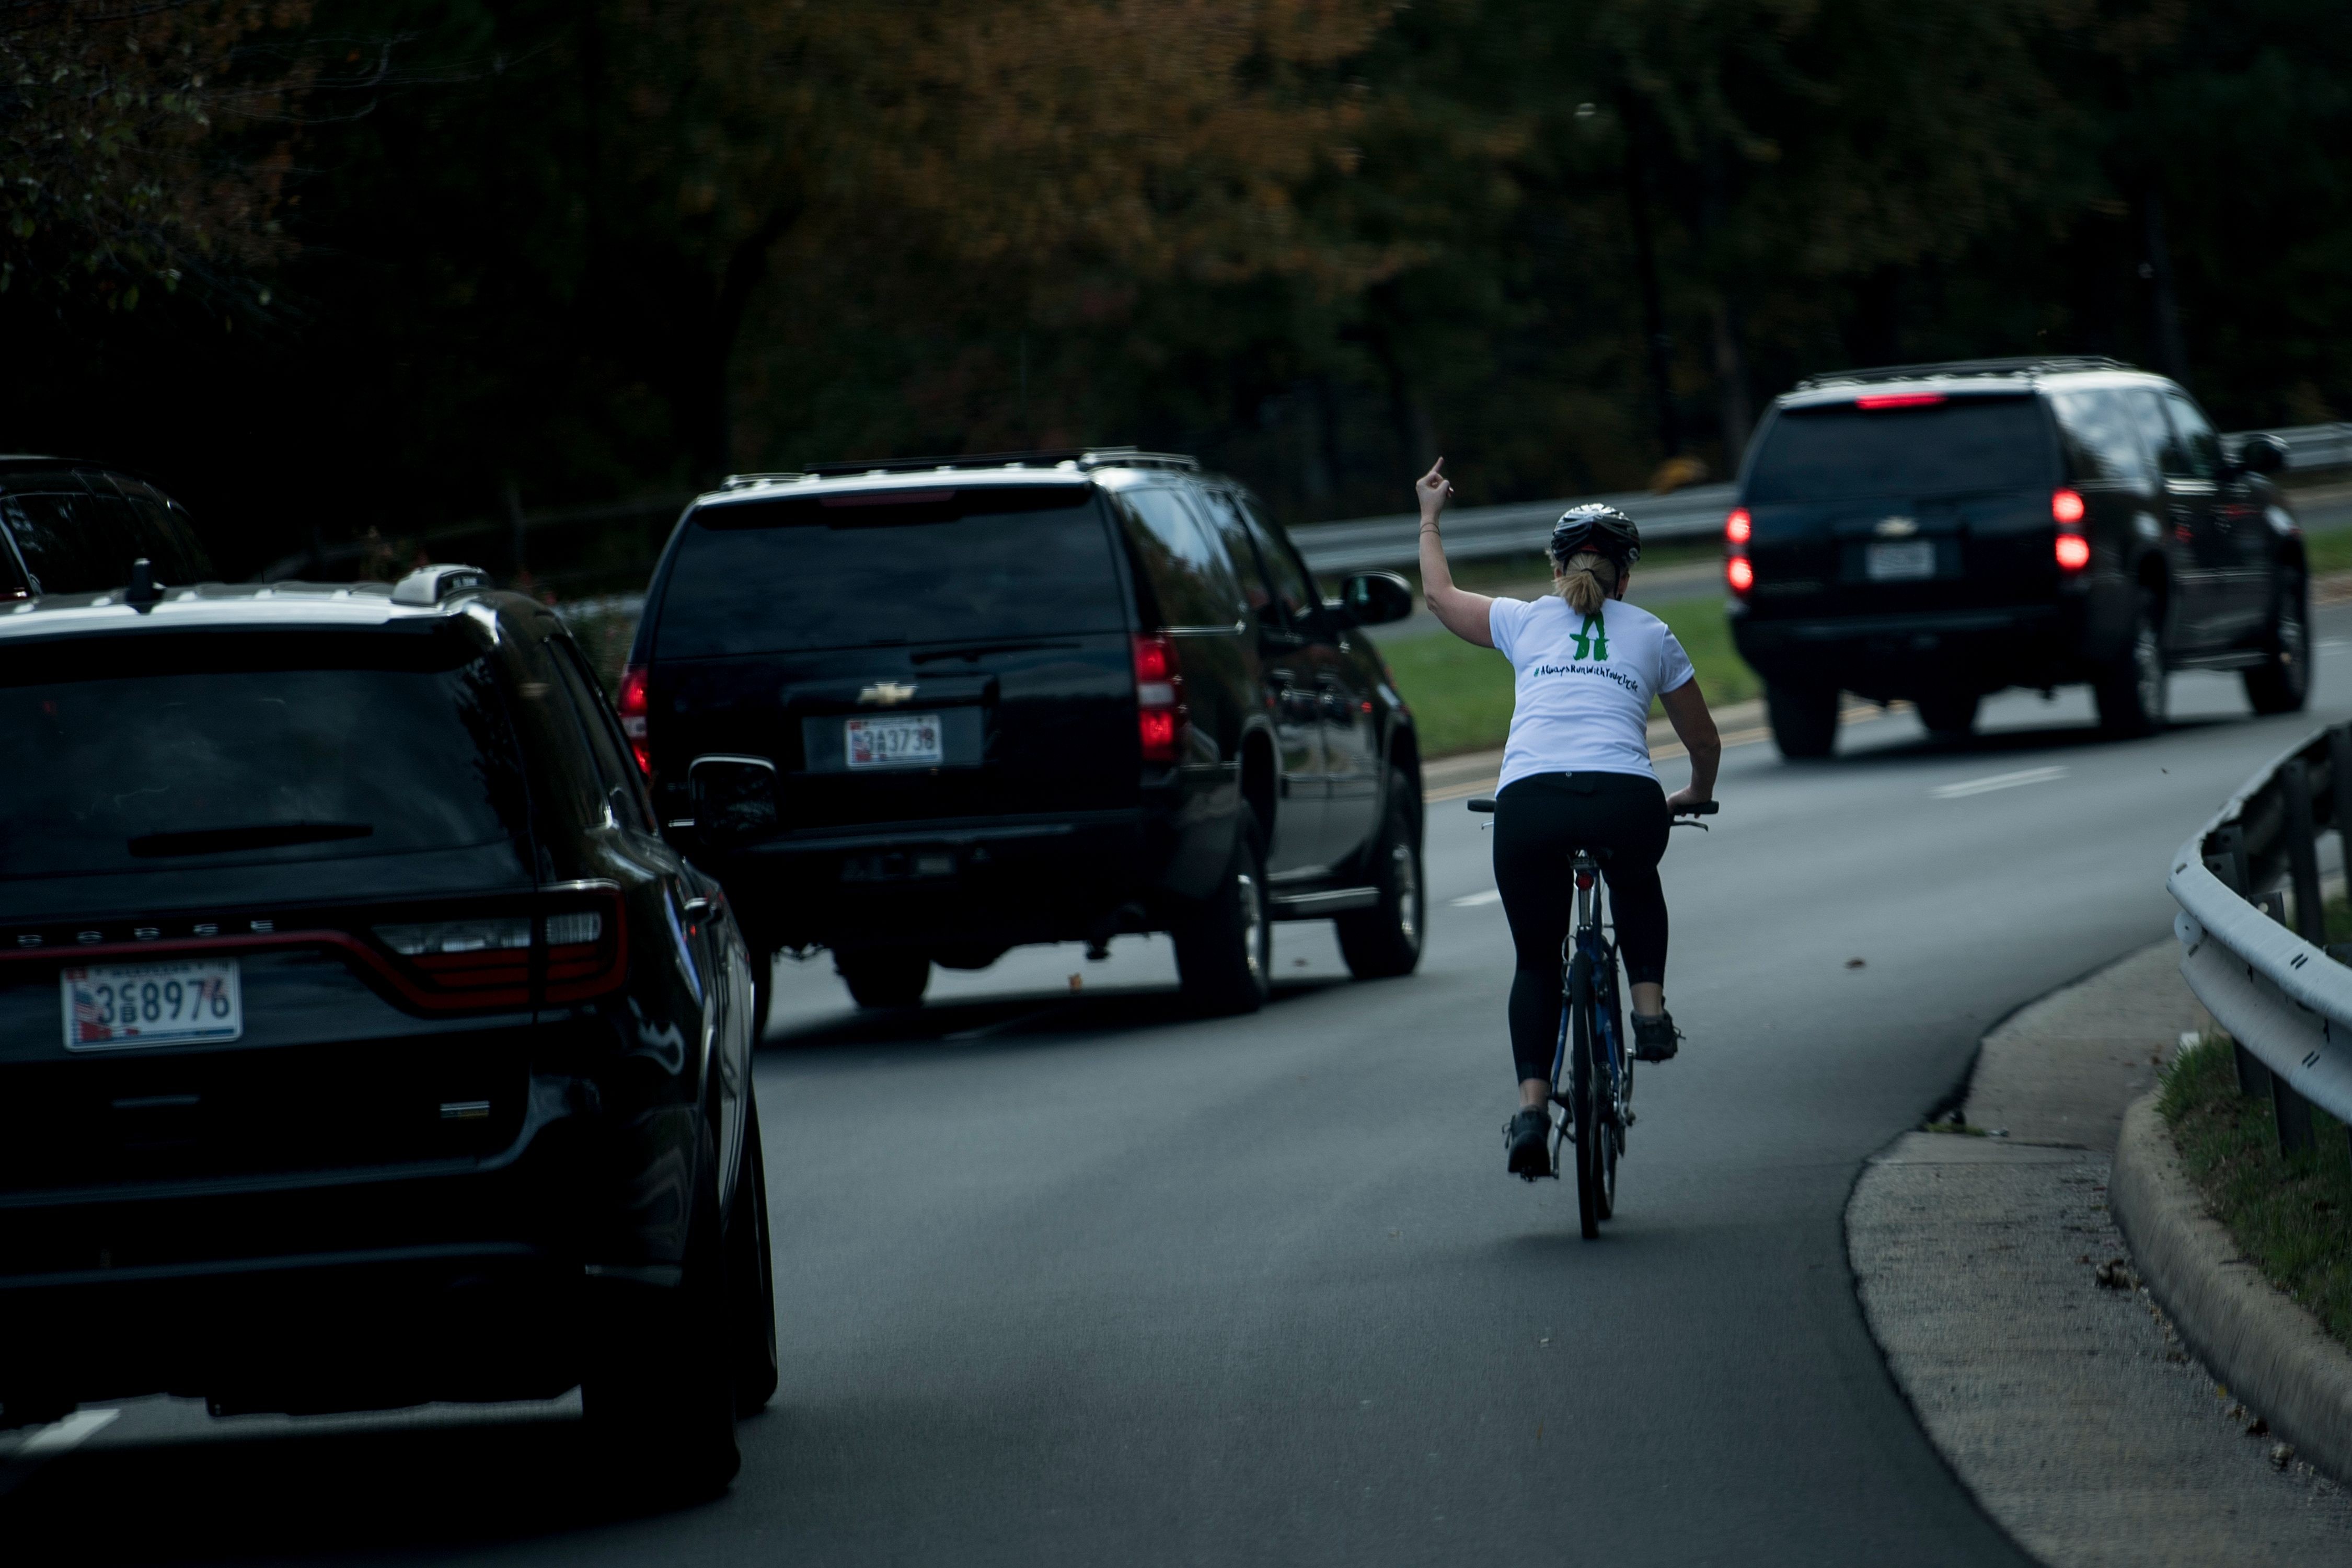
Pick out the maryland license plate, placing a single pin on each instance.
(898, 740)
(1900, 562)
(115, 1006)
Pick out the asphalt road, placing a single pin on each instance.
(1065, 1277)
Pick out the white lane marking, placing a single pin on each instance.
(1471, 902)
(47, 1443)
(1998, 781)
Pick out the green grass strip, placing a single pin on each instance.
(2290, 1216)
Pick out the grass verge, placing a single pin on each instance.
(2288, 1215)
(1461, 695)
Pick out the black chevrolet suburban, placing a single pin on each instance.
(1939, 533)
(922, 712)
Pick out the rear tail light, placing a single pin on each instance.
(2066, 506)
(1900, 400)
(1161, 716)
(573, 948)
(1740, 572)
(1738, 527)
(2074, 552)
(631, 706)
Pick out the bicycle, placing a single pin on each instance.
(1598, 1104)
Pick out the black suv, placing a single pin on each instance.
(69, 527)
(924, 711)
(1938, 533)
(363, 1043)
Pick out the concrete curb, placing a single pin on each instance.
(2270, 1352)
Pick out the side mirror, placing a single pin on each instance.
(1376, 598)
(2261, 453)
(734, 798)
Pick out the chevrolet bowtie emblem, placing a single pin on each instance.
(887, 693)
(1896, 528)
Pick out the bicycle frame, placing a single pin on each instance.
(1590, 940)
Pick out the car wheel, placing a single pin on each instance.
(659, 1395)
(2282, 682)
(1225, 947)
(2131, 692)
(1804, 718)
(1949, 715)
(884, 977)
(752, 1275)
(1385, 940)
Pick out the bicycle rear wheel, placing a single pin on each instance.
(1594, 1169)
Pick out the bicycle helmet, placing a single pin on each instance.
(1599, 528)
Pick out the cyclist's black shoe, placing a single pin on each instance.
(1655, 1039)
(1530, 1136)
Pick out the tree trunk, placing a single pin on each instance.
(2163, 299)
(1646, 261)
(1731, 381)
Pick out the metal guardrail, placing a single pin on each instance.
(1485, 532)
(2283, 993)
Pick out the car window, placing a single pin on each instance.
(1293, 590)
(2198, 442)
(2148, 413)
(2102, 440)
(211, 749)
(862, 569)
(616, 769)
(165, 535)
(1904, 451)
(1184, 560)
(72, 542)
(1224, 515)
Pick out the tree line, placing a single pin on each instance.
(332, 266)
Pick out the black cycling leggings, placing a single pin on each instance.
(1538, 820)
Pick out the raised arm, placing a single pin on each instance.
(1694, 726)
(1463, 615)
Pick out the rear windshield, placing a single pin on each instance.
(902, 567)
(196, 751)
(79, 538)
(1844, 453)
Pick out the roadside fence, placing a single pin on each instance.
(2254, 936)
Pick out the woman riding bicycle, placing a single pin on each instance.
(1576, 774)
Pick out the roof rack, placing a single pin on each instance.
(1075, 456)
(2033, 364)
(745, 481)
(431, 585)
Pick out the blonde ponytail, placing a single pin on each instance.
(1587, 582)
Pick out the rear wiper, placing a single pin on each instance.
(254, 835)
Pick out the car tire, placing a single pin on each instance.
(1384, 941)
(659, 1399)
(1949, 715)
(884, 977)
(1225, 946)
(1805, 719)
(752, 1275)
(2131, 691)
(2282, 682)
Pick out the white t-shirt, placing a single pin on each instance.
(1585, 683)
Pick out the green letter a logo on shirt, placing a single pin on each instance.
(1592, 640)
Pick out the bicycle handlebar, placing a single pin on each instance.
(1485, 804)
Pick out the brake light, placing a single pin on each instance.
(631, 706)
(1161, 716)
(574, 947)
(1738, 528)
(2074, 552)
(2066, 506)
(1740, 572)
(1900, 400)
